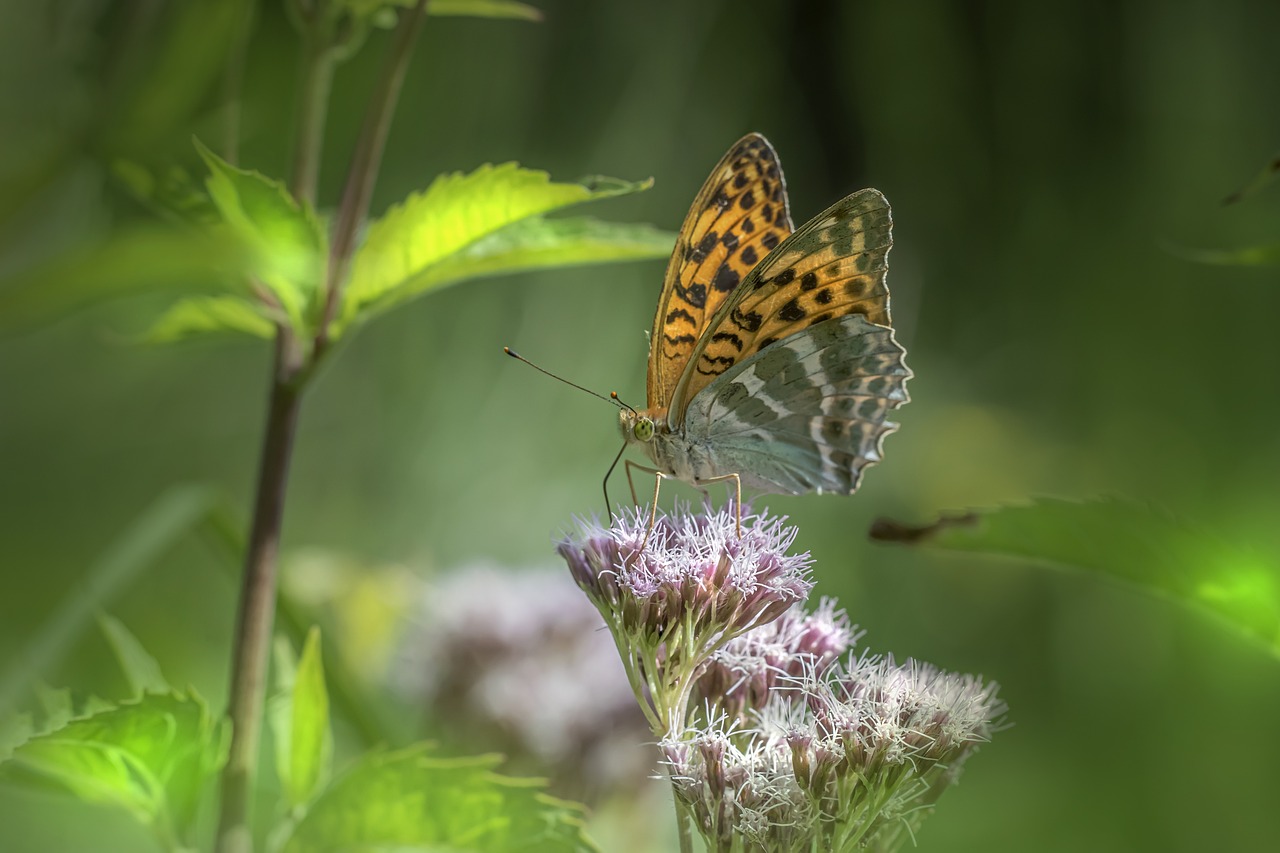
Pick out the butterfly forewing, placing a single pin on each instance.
(807, 414)
(738, 218)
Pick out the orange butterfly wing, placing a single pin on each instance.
(739, 216)
(834, 265)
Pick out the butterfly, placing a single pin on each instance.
(772, 360)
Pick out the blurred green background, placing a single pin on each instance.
(1040, 158)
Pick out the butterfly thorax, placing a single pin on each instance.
(671, 451)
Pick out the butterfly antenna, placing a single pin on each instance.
(612, 398)
(613, 395)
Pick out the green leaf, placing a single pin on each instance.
(150, 757)
(144, 258)
(1123, 540)
(286, 237)
(412, 800)
(484, 9)
(15, 729)
(304, 745)
(455, 212)
(140, 669)
(201, 316)
(537, 243)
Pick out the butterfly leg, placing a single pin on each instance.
(657, 487)
(737, 485)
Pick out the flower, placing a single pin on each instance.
(675, 594)
(750, 669)
(516, 658)
(857, 764)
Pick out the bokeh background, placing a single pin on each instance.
(1045, 163)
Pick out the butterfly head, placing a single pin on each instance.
(636, 427)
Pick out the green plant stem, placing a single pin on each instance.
(258, 602)
(365, 163)
(318, 63)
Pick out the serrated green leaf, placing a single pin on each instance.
(55, 704)
(150, 757)
(485, 9)
(537, 243)
(310, 749)
(140, 669)
(455, 212)
(286, 237)
(410, 799)
(182, 260)
(15, 730)
(1126, 541)
(201, 316)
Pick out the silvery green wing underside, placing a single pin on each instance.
(805, 414)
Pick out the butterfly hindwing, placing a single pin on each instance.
(833, 266)
(738, 217)
(808, 413)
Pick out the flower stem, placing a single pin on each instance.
(257, 603)
(364, 166)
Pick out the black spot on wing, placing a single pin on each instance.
(676, 340)
(747, 225)
(730, 240)
(726, 279)
(749, 256)
(766, 342)
(730, 337)
(704, 247)
(808, 281)
(823, 297)
(748, 322)
(791, 311)
(769, 241)
(784, 278)
(695, 294)
(679, 314)
(748, 200)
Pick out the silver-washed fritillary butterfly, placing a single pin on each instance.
(772, 361)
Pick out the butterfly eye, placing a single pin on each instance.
(643, 429)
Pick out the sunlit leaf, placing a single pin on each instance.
(287, 238)
(455, 212)
(169, 258)
(304, 743)
(537, 243)
(150, 757)
(411, 800)
(200, 316)
(1123, 540)
(140, 669)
